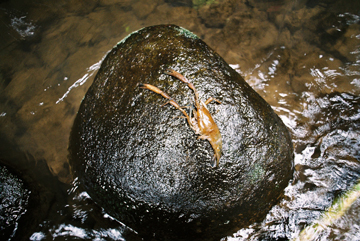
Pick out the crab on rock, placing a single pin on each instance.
(201, 122)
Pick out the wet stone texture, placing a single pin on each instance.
(146, 167)
(13, 202)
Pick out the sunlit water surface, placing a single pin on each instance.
(302, 57)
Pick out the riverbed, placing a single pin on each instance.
(302, 57)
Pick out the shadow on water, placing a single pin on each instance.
(302, 57)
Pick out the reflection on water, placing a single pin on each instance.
(77, 219)
(303, 57)
(327, 163)
(90, 71)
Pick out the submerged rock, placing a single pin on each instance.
(14, 198)
(149, 170)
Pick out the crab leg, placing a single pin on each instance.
(211, 99)
(185, 80)
(166, 96)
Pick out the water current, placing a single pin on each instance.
(302, 57)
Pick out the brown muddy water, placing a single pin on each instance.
(302, 57)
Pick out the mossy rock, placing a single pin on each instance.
(147, 168)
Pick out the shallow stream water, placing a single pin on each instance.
(302, 57)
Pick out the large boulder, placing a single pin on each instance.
(147, 168)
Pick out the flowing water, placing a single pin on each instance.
(302, 57)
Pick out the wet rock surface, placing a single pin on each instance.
(147, 168)
(26, 199)
(13, 202)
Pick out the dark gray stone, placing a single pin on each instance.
(148, 169)
(14, 198)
